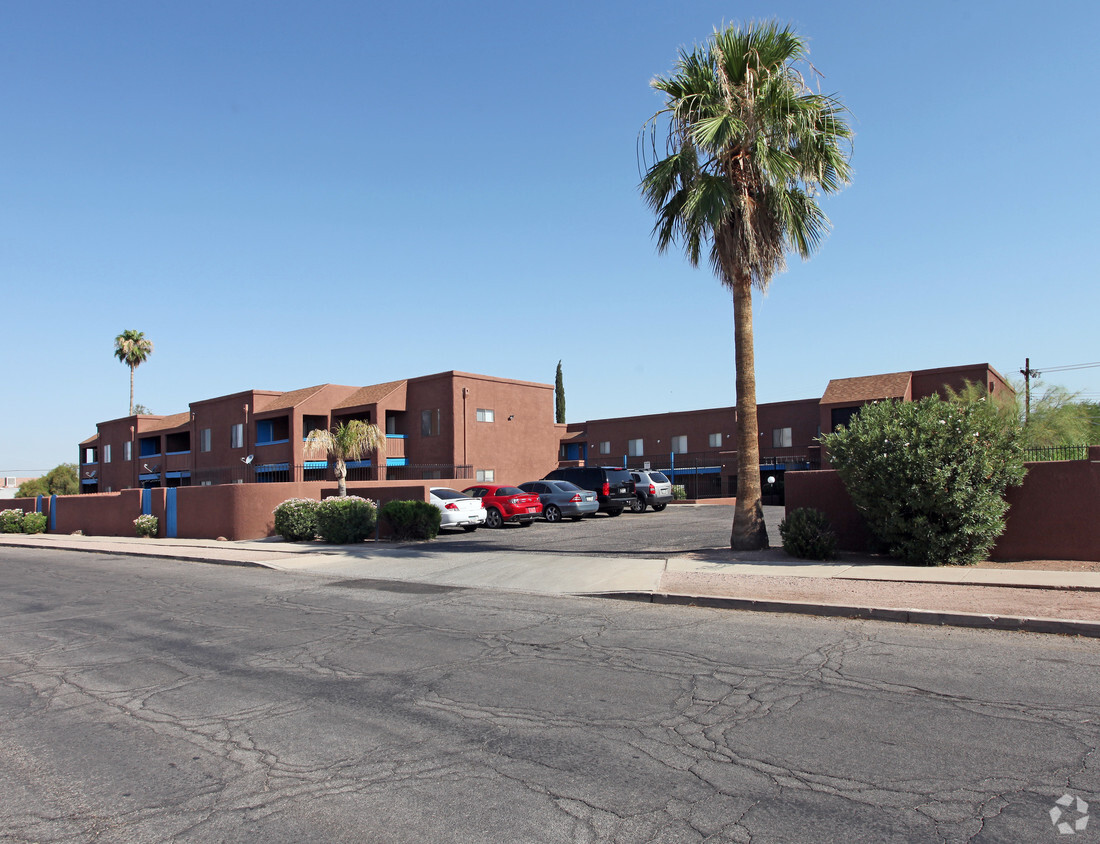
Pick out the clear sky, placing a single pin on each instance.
(285, 194)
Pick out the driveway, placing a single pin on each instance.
(677, 529)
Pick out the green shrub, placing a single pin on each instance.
(34, 523)
(345, 520)
(412, 519)
(806, 533)
(146, 526)
(296, 519)
(929, 476)
(679, 493)
(11, 521)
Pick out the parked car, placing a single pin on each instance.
(562, 499)
(458, 509)
(506, 504)
(614, 487)
(653, 490)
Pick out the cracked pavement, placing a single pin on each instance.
(152, 700)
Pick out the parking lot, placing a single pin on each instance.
(677, 529)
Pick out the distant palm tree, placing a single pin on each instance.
(749, 146)
(347, 441)
(133, 349)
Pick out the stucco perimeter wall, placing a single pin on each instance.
(102, 513)
(1052, 516)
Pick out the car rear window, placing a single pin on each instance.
(618, 476)
(658, 477)
(510, 490)
(448, 493)
(566, 486)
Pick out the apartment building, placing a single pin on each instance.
(451, 425)
(698, 448)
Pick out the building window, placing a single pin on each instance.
(127, 451)
(90, 455)
(605, 447)
(635, 448)
(204, 439)
(107, 453)
(679, 445)
(486, 475)
(236, 436)
(715, 441)
(429, 423)
(781, 438)
(484, 414)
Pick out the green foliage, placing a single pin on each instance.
(296, 519)
(132, 348)
(412, 519)
(346, 441)
(679, 492)
(146, 525)
(11, 521)
(806, 534)
(559, 396)
(345, 520)
(929, 476)
(33, 488)
(1057, 418)
(34, 523)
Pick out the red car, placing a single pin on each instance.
(506, 504)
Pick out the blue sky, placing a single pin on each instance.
(283, 194)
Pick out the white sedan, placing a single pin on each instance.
(458, 509)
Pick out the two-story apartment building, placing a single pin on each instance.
(451, 425)
(698, 448)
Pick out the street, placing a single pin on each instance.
(153, 700)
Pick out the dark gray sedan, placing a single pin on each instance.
(562, 499)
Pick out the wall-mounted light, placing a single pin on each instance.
(510, 418)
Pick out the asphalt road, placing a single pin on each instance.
(676, 529)
(146, 700)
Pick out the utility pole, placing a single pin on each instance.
(1028, 373)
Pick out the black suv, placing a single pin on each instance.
(613, 487)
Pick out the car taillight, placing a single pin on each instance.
(652, 489)
(514, 501)
(451, 506)
(606, 488)
(576, 497)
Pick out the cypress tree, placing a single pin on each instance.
(559, 396)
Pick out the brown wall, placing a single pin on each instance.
(1052, 516)
(100, 514)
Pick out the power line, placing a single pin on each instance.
(1069, 367)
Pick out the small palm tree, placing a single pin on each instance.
(133, 349)
(749, 146)
(347, 441)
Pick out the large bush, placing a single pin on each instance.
(345, 520)
(412, 519)
(929, 476)
(806, 533)
(34, 523)
(11, 521)
(296, 519)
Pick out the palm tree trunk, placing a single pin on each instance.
(341, 473)
(749, 531)
(131, 389)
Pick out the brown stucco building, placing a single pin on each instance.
(452, 425)
(697, 448)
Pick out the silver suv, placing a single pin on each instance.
(652, 489)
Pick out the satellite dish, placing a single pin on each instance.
(247, 460)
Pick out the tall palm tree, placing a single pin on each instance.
(749, 146)
(133, 349)
(347, 441)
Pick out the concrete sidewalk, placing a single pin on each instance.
(1019, 599)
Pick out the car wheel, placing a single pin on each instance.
(552, 513)
(637, 506)
(493, 518)
(615, 512)
(657, 508)
(469, 528)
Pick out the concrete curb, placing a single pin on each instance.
(937, 618)
(161, 555)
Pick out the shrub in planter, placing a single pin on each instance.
(929, 476)
(11, 521)
(296, 519)
(344, 520)
(806, 533)
(412, 519)
(146, 526)
(679, 493)
(34, 523)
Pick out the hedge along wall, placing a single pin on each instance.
(1052, 516)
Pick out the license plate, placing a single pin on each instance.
(622, 489)
(531, 510)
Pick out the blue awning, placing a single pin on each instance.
(148, 477)
(177, 474)
(316, 464)
(273, 467)
(358, 464)
(90, 481)
(397, 461)
(692, 470)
